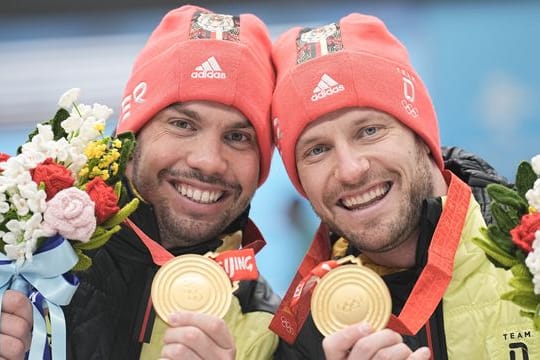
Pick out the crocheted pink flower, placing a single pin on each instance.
(71, 213)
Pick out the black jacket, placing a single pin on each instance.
(106, 317)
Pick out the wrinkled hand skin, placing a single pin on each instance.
(15, 325)
(360, 342)
(197, 336)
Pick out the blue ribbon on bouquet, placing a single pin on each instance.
(49, 273)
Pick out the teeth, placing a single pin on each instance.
(367, 197)
(197, 195)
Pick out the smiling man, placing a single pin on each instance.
(198, 99)
(359, 138)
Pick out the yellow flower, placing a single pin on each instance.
(95, 150)
(96, 171)
(114, 168)
(99, 127)
(83, 172)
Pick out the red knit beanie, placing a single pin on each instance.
(194, 54)
(354, 63)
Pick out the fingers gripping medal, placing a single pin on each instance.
(350, 294)
(202, 284)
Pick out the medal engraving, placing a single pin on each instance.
(191, 283)
(347, 295)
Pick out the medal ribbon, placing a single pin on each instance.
(238, 264)
(428, 290)
(308, 282)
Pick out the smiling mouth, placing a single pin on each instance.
(367, 198)
(198, 195)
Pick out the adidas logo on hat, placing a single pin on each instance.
(209, 69)
(326, 87)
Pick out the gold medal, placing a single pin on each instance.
(191, 283)
(350, 294)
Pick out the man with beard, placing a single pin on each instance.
(198, 100)
(359, 138)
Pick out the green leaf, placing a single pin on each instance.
(521, 270)
(61, 115)
(506, 218)
(536, 318)
(501, 258)
(525, 178)
(84, 261)
(97, 241)
(121, 215)
(507, 196)
(522, 284)
(525, 299)
(503, 240)
(118, 189)
(99, 230)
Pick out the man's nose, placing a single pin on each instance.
(351, 165)
(208, 157)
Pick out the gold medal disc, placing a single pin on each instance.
(350, 294)
(191, 283)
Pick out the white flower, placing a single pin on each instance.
(72, 124)
(30, 157)
(102, 111)
(15, 233)
(533, 195)
(89, 128)
(36, 199)
(16, 252)
(4, 205)
(20, 204)
(535, 162)
(533, 262)
(69, 97)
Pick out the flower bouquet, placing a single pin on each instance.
(513, 241)
(59, 199)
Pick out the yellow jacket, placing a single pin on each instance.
(478, 325)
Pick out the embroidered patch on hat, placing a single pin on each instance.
(317, 42)
(205, 25)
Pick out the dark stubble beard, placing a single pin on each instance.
(186, 231)
(389, 234)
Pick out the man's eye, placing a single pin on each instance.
(238, 137)
(370, 131)
(182, 124)
(317, 150)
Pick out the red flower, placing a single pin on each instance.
(3, 157)
(104, 197)
(55, 177)
(523, 235)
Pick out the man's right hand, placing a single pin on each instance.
(360, 342)
(16, 321)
